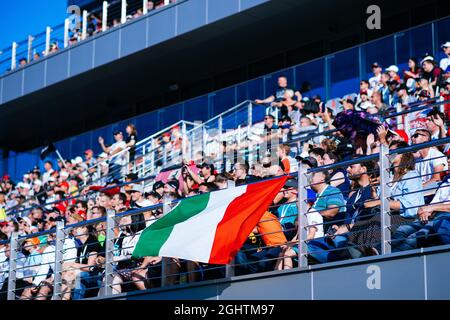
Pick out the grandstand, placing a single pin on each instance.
(360, 135)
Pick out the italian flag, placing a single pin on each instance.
(209, 228)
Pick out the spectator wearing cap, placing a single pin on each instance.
(403, 97)
(158, 187)
(89, 160)
(364, 86)
(392, 92)
(432, 72)
(445, 62)
(393, 73)
(171, 190)
(116, 162)
(375, 80)
(364, 103)
(430, 162)
(137, 197)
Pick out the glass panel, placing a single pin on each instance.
(414, 43)
(381, 51)
(309, 78)
(106, 133)
(195, 109)
(171, 115)
(443, 35)
(147, 124)
(344, 73)
(255, 89)
(223, 100)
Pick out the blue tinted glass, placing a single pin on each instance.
(443, 34)
(106, 133)
(223, 100)
(344, 73)
(414, 43)
(255, 89)
(63, 148)
(147, 124)
(195, 109)
(171, 115)
(80, 144)
(381, 51)
(312, 73)
(242, 92)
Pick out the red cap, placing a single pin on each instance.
(167, 134)
(403, 135)
(363, 92)
(89, 151)
(65, 184)
(6, 177)
(175, 127)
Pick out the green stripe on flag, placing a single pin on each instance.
(153, 237)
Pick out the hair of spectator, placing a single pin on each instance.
(317, 151)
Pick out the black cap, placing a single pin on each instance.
(153, 194)
(206, 165)
(174, 184)
(116, 132)
(375, 65)
(402, 87)
(157, 185)
(132, 176)
(310, 161)
(392, 82)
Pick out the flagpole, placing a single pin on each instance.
(60, 158)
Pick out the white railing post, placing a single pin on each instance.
(123, 18)
(184, 152)
(84, 25)
(109, 269)
(145, 7)
(302, 208)
(48, 33)
(30, 48)
(166, 2)
(385, 193)
(59, 260)
(399, 117)
(105, 16)
(13, 55)
(66, 33)
(12, 266)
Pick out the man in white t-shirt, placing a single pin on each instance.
(445, 62)
(430, 162)
(116, 162)
(48, 171)
(375, 80)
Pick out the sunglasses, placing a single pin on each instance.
(416, 135)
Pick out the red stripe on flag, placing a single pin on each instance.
(241, 217)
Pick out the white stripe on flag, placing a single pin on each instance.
(193, 239)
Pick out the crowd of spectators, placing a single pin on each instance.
(343, 202)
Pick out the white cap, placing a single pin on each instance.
(103, 155)
(448, 80)
(27, 220)
(427, 58)
(37, 182)
(53, 179)
(78, 160)
(26, 176)
(446, 45)
(365, 105)
(20, 185)
(137, 187)
(392, 68)
(64, 174)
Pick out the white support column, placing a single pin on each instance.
(13, 55)
(48, 34)
(145, 7)
(109, 270)
(400, 117)
(385, 193)
(123, 18)
(302, 209)
(84, 25)
(66, 33)
(59, 260)
(30, 48)
(166, 2)
(105, 16)
(184, 153)
(12, 266)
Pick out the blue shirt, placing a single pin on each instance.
(288, 213)
(409, 192)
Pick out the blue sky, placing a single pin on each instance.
(18, 19)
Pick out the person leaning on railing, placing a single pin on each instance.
(432, 226)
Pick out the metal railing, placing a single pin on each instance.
(112, 275)
(74, 29)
